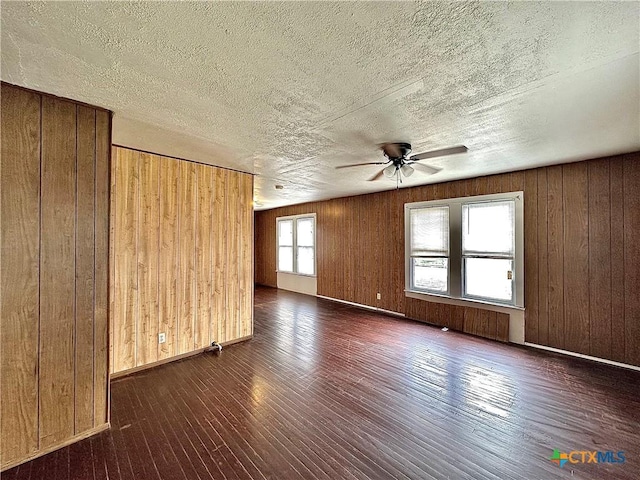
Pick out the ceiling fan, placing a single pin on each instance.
(399, 163)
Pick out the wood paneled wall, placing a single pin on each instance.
(55, 213)
(182, 237)
(582, 256)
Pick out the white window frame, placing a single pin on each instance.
(456, 261)
(295, 219)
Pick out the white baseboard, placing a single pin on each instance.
(360, 305)
(580, 355)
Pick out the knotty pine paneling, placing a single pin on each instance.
(167, 256)
(186, 255)
(183, 257)
(125, 258)
(219, 327)
(204, 262)
(147, 261)
(54, 217)
(581, 260)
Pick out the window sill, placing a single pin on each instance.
(297, 274)
(465, 302)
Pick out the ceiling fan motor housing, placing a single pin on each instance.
(396, 151)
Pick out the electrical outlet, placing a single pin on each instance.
(162, 337)
(378, 295)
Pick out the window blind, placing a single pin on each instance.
(430, 231)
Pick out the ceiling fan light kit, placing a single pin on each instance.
(406, 170)
(389, 171)
(399, 163)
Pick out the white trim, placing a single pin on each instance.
(581, 355)
(368, 307)
(456, 276)
(463, 302)
(294, 247)
(298, 274)
(297, 283)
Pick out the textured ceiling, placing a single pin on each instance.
(290, 90)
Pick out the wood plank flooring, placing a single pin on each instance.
(329, 391)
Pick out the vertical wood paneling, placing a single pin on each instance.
(555, 245)
(102, 261)
(53, 300)
(492, 325)
(84, 271)
(543, 259)
(219, 260)
(576, 257)
(57, 271)
(575, 239)
(168, 257)
(618, 267)
(530, 260)
(112, 255)
(123, 336)
(502, 332)
(265, 264)
(232, 311)
(599, 259)
(19, 300)
(631, 187)
(246, 251)
(457, 318)
(148, 243)
(194, 256)
(186, 258)
(204, 270)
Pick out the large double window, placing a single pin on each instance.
(297, 244)
(467, 248)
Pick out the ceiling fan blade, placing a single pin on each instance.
(439, 153)
(377, 176)
(360, 164)
(429, 170)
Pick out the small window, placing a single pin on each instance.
(296, 244)
(285, 245)
(430, 248)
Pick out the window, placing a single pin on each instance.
(430, 248)
(488, 249)
(285, 245)
(296, 244)
(467, 248)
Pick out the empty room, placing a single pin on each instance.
(319, 240)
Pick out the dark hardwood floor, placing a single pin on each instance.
(329, 391)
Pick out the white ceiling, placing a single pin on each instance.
(290, 90)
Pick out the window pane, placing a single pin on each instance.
(306, 260)
(305, 232)
(431, 274)
(488, 227)
(285, 232)
(489, 278)
(285, 259)
(430, 231)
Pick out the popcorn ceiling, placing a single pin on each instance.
(247, 85)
